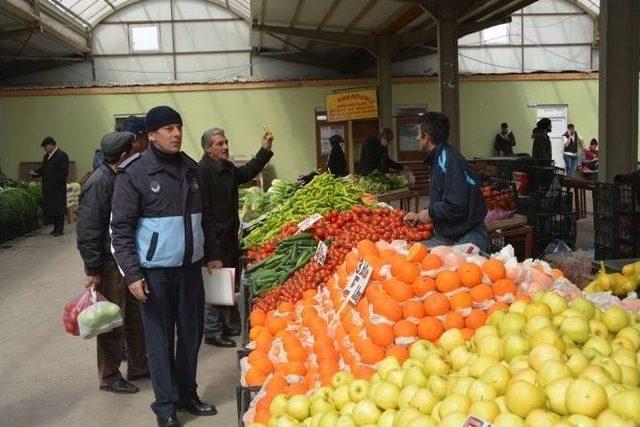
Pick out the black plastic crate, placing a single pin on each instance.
(543, 178)
(244, 396)
(550, 201)
(628, 193)
(629, 227)
(551, 226)
(244, 306)
(604, 252)
(500, 188)
(605, 200)
(605, 234)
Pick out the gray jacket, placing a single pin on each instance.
(92, 228)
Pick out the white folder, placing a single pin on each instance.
(219, 286)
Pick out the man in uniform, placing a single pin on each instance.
(456, 206)
(159, 245)
(220, 179)
(94, 245)
(54, 170)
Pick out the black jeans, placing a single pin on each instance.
(58, 223)
(175, 303)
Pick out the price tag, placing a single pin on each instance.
(355, 288)
(307, 223)
(321, 252)
(475, 422)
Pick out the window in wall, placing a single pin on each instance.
(145, 38)
(495, 35)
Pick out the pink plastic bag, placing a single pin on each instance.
(74, 307)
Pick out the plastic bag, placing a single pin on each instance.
(74, 307)
(99, 317)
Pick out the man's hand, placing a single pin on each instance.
(214, 265)
(267, 141)
(411, 218)
(424, 217)
(33, 173)
(415, 218)
(92, 282)
(139, 290)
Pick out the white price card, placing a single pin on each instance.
(475, 422)
(355, 288)
(321, 252)
(307, 223)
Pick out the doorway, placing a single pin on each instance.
(558, 116)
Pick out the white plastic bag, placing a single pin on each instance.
(98, 318)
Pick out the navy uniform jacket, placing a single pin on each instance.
(156, 215)
(456, 205)
(373, 156)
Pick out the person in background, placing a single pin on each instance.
(504, 141)
(541, 143)
(337, 163)
(219, 181)
(571, 141)
(161, 242)
(374, 154)
(94, 245)
(591, 161)
(98, 158)
(456, 206)
(53, 171)
(136, 125)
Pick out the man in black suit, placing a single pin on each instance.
(53, 171)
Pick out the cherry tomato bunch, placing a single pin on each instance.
(344, 230)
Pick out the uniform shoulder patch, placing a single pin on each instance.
(128, 161)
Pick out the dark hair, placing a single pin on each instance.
(544, 123)
(593, 141)
(504, 125)
(386, 133)
(436, 125)
(48, 140)
(336, 139)
(570, 126)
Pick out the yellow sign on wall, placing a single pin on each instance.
(361, 104)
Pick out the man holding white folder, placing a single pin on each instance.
(219, 179)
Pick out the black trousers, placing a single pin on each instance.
(58, 223)
(175, 304)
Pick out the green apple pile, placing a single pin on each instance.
(543, 363)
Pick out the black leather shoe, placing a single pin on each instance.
(170, 421)
(220, 341)
(231, 331)
(197, 407)
(121, 386)
(52, 232)
(138, 377)
(57, 233)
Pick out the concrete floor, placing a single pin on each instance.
(49, 378)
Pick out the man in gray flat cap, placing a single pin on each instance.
(94, 244)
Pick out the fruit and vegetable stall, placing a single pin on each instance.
(353, 321)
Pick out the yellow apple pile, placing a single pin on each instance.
(542, 363)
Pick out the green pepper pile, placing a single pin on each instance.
(292, 253)
(323, 194)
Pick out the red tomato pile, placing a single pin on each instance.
(344, 230)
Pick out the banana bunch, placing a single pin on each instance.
(619, 284)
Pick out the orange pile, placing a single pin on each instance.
(401, 304)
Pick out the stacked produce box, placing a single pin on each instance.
(617, 218)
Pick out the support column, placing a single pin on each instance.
(619, 66)
(448, 75)
(385, 75)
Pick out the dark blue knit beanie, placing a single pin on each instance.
(161, 116)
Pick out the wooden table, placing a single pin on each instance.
(404, 196)
(580, 187)
(513, 229)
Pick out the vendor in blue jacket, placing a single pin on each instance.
(456, 206)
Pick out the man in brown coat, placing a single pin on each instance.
(94, 244)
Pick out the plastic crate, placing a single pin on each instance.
(550, 201)
(604, 252)
(605, 200)
(628, 193)
(244, 306)
(605, 233)
(629, 227)
(244, 396)
(551, 226)
(543, 178)
(500, 188)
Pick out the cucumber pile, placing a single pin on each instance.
(292, 253)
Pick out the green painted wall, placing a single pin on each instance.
(77, 122)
